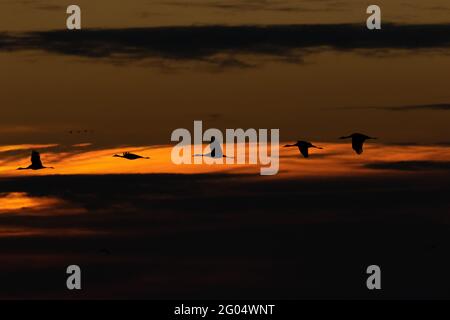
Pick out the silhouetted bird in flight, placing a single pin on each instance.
(216, 150)
(130, 156)
(36, 163)
(358, 140)
(303, 146)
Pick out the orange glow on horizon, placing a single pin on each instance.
(335, 159)
(19, 201)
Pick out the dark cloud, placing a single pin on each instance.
(226, 46)
(437, 107)
(230, 236)
(247, 5)
(410, 165)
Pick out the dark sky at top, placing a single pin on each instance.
(158, 65)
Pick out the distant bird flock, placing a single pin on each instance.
(358, 140)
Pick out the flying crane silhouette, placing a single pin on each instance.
(358, 140)
(216, 150)
(303, 146)
(36, 163)
(130, 156)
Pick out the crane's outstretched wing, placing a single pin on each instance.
(36, 159)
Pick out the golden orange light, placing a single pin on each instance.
(18, 201)
(336, 159)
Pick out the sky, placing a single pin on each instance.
(206, 60)
(148, 228)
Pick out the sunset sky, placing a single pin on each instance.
(140, 69)
(135, 86)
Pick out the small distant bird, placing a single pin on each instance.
(358, 140)
(130, 156)
(85, 131)
(303, 146)
(36, 163)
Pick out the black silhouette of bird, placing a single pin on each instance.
(216, 150)
(303, 146)
(130, 156)
(358, 140)
(36, 163)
